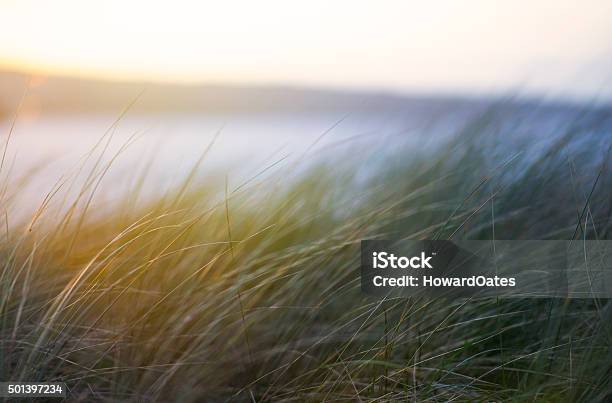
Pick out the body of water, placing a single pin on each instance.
(48, 149)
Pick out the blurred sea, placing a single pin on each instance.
(165, 147)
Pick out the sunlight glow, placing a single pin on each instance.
(397, 45)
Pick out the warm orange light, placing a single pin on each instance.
(396, 45)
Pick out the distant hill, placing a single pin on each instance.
(56, 94)
(73, 95)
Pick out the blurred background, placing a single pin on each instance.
(271, 77)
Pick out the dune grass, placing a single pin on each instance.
(250, 291)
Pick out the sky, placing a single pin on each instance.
(469, 46)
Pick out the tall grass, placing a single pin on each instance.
(250, 291)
